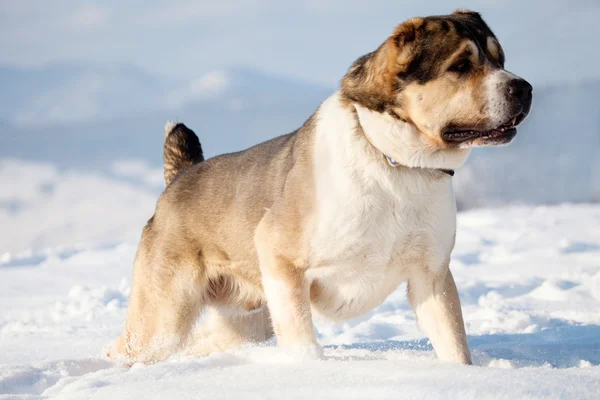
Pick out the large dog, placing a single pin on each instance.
(333, 217)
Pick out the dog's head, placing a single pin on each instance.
(445, 76)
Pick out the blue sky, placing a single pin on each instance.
(310, 40)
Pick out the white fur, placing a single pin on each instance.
(497, 96)
(375, 225)
(278, 289)
(402, 142)
(290, 311)
(435, 318)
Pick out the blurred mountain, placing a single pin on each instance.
(553, 159)
(229, 109)
(66, 93)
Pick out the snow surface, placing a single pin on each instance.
(529, 280)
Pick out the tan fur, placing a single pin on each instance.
(446, 102)
(316, 220)
(197, 253)
(493, 48)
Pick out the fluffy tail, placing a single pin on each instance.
(182, 149)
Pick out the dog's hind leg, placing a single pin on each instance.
(166, 297)
(225, 329)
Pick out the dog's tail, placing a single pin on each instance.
(182, 149)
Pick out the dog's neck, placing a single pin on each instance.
(402, 144)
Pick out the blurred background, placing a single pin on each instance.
(87, 86)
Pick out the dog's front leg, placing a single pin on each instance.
(288, 298)
(435, 300)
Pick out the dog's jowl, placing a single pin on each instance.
(329, 219)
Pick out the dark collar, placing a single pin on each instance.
(394, 163)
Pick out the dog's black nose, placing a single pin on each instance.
(521, 89)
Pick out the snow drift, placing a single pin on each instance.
(528, 277)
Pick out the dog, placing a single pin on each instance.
(329, 219)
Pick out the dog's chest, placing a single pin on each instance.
(374, 229)
(368, 238)
(372, 224)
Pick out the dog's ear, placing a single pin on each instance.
(473, 18)
(402, 44)
(372, 79)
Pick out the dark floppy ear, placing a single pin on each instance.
(471, 16)
(402, 43)
(474, 18)
(372, 80)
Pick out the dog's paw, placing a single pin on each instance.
(303, 352)
(111, 351)
(115, 352)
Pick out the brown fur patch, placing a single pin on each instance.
(411, 73)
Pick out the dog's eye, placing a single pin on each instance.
(461, 66)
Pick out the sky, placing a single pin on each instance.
(311, 40)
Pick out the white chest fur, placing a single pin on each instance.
(374, 223)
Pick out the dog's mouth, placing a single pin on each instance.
(503, 133)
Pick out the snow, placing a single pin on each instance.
(81, 169)
(529, 280)
(49, 207)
